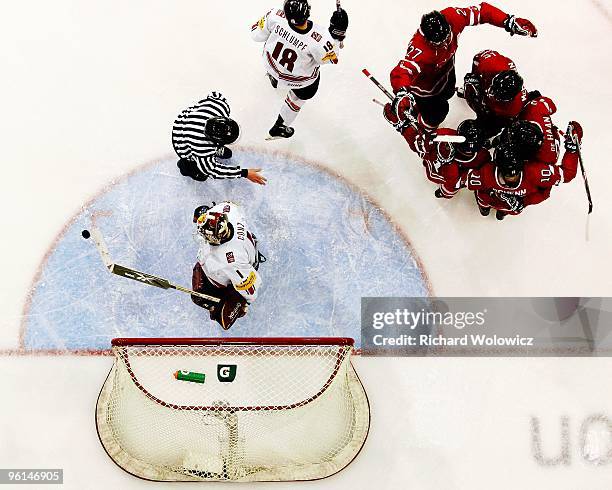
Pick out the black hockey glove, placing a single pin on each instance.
(188, 168)
(533, 95)
(514, 203)
(224, 152)
(472, 88)
(338, 24)
(472, 93)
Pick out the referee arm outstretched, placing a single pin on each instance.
(200, 134)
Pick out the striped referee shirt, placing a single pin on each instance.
(191, 143)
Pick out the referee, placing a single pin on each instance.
(199, 136)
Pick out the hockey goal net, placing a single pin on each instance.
(232, 409)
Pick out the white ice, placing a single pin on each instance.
(88, 92)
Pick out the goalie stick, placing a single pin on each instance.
(145, 278)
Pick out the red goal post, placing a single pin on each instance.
(123, 342)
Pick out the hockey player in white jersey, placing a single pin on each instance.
(294, 50)
(228, 262)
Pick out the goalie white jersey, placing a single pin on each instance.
(290, 55)
(235, 262)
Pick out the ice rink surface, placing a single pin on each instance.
(316, 232)
(88, 96)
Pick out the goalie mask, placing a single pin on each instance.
(214, 227)
(223, 130)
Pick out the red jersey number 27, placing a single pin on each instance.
(413, 53)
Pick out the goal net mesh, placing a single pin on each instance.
(264, 412)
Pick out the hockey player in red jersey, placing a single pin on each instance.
(535, 134)
(509, 184)
(445, 163)
(494, 90)
(428, 69)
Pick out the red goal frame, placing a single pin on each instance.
(134, 341)
(220, 341)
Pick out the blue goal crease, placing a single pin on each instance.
(327, 246)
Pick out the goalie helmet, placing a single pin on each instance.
(223, 130)
(506, 85)
(214, 227)
(474, 136)
(297, 11)
(527, 137)
(435, 27)
(201, 211)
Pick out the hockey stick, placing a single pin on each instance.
(409, 118)
(442, 138)
(151, 280)
(338, 8)
(574, 138)
(378, 84)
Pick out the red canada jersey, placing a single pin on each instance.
(426, 67)
(486, 65)
(539, 111)
(444, 164)
(534, 186)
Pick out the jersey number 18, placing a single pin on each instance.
(287, 56)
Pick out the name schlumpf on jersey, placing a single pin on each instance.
(293, 57)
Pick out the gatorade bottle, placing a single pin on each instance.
(190, 376)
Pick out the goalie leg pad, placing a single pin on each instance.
(232, 305)
(201, 284)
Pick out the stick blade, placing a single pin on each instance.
(98, 239)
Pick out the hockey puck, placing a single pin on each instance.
(86, 234)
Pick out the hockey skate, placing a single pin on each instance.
(273, 81)
(279, 130)
(484, 211)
